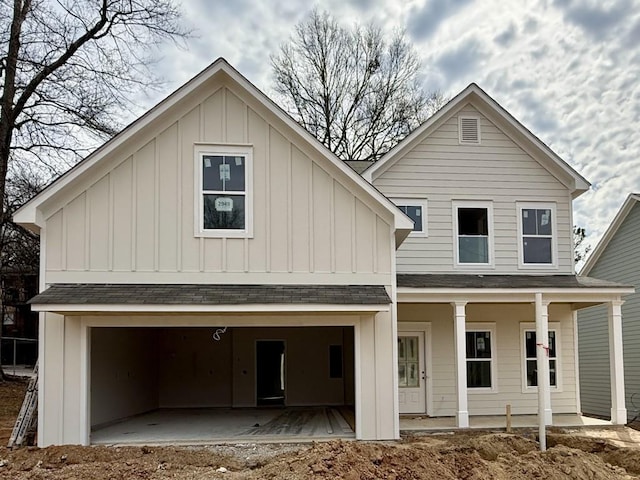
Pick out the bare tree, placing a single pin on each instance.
(581, 249)
(68, 69)
(358, 93)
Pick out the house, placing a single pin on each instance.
(616, 258)
(215, 254)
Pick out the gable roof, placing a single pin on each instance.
(29, 216)
(473, 94)
(620, 217)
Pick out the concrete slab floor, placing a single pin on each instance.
(422, 422)
(226, 425)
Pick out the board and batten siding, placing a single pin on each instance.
(619, 262)
(442, 170)
(508, 354)
(137, 216)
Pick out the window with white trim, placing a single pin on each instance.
(529, 352)
(223, 189)
(480, 352)
(537, 230)
(416, 210)
(473, 233)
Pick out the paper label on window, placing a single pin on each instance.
(225, 172)
(544, 219)
(480, 344)
(238, 161)
(525, 214)
(207, 162)
(224, 204)
(418, 212)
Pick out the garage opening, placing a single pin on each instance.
(207, 384)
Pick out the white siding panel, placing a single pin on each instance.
(322, 185)
(54, 242)
(144, 162)
(365, 228)
(121, 178)
(75, 233)
(343, 233)
(279, 152)
(301, 211)
(189, 126)
(441, 170)
(168, 202)
(98, 201)
(258, 131)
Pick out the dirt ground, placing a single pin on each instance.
(603, 454)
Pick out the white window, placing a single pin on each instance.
(223, 191)
(481, 365)
(473, 224)
(536, 227)
(416, 210)
(529, 352)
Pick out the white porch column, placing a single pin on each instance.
(618, 407)
(542, 359)
(459, 319)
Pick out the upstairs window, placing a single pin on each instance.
(473, 233)
(416, 210)
(537, 235)
(224, 191)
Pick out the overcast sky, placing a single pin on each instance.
(569, 70)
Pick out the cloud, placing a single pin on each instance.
(424, 21)
(596, 20)
(507, 37)
(456, 64)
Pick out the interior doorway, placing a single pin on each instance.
(270, 376)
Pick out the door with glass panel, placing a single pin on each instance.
(411, 372)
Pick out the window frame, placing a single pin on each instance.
(415, 202)
(488, 205)
(216, 149)
(491, 328)
(520, 206)
(531, 327)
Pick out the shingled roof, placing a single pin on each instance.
(181, 294)
(501, 281)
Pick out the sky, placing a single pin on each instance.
(569, 70)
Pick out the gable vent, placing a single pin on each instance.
(469, 130)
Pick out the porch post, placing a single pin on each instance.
(616, 365)
(462, 411)
(542, 359)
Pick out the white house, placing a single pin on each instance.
(215, 216)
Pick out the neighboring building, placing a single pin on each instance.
(616, 258)
(19, 322)
(216, 209)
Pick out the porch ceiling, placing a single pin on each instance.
(210, 298)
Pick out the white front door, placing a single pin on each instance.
(411, 372)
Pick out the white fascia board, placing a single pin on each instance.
(610, 232)
(580, 185)
(507, 295)
(253, 308)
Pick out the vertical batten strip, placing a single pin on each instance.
(225, 121)
(354, 263)
(311, 226)
(156, 206)
(134, 210)
(290, 209)
(376, 219)
(253, 162)
(179, 223)
(332, 225)
(267, 199)
(110, 226)
(196, 187)
(64, 246)
(87, 228)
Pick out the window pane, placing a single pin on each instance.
(478, 344)
(402, 375)
(412, 348)
(413, 379)
(402, 355)
(552, 373)
(211, 165)
(479, 374)
(223, 173)
(530, 344)
(414, 212)
(532, 373)
(224, 212)
(473, 249)
(529, 221)
(543, 220)
(537, 250)
(552, 344)
(473, 221)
